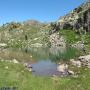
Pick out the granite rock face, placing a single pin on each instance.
(77, 19)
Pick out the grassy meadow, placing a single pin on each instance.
(17, 76)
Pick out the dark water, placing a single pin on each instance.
(42, 60)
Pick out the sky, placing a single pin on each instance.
(42, 10)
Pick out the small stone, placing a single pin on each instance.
(15, 61)
(31, 56)
(3, 44)
(70, 72)
(84, 76)
(2, 60)
(75, 76)
(10, 61)
(6, 67)
(30, 69)
(25, 64)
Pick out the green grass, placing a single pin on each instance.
(13, 76)
(86, 39)
(70, 36)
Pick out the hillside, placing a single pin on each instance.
(74, 27)
(32, 33)
(77, 19)
(24, 35)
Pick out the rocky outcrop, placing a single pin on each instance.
(58, 43)
(75, 63)
(79, 45)
(82, 61)
(85, 60)
(57, 40)
(77, 19)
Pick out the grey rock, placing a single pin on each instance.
(75, 63)
(62, 68)
(85, 60)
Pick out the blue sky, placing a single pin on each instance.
(42, 10)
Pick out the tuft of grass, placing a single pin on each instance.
(70, 36)
(66, 55)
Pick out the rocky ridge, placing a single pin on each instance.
(79, 18)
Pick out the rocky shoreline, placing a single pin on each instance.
(83, 61)
(63, 69)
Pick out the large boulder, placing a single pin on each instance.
(63, 68)
(85, 60)
(75, 63)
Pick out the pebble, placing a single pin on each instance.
(15, 61)
(6, 67)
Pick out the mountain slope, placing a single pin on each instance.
(24, 35)
(77, 19)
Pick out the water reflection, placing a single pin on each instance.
(56, 50)
(44, 68)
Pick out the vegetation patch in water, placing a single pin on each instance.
(66, 55)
